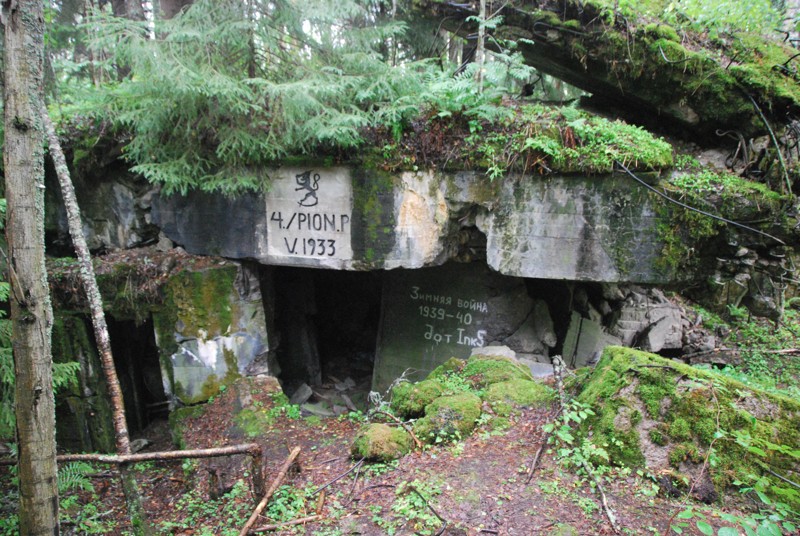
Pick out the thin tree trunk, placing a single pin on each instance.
(86, 270)
(31, 311)
(480, 52)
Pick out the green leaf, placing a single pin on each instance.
(686, 514)
(727, 531)
(705, 528)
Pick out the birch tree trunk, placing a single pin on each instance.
(31, 311)
(480, 52)
(89, 281)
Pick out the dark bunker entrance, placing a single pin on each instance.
(139, 371)
(327, 329)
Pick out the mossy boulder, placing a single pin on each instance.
(448, 418)
(668, 416)
(504, 396)
(485, 370)
(409, 399)
(381, 443)
(451, 365)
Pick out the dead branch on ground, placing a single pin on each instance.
(271, 491)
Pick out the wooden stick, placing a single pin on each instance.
(301, 521)
(251, 449)
(358, 464)
(536, 458)
(607, 509)
(271, 491)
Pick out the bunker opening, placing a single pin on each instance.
(139, 370)
(326, 322)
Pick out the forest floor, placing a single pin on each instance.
(482, 485)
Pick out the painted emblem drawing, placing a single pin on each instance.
(308, 183)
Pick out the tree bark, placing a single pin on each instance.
(130, 9)
(86, 270)
(170, 8)
(480, 52)
(31, 311)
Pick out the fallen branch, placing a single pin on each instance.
(251, 449)
(358, 464)
(440, 518)
(271, 491)
(300, 521)
(607, 509)
(417, 442)
(536, 459)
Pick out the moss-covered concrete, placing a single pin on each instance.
(644, 67)
(84, 420)
(381, 443)
(410, 399)
(449, 418)
(483, 371)
(667, 415)
(504, 396)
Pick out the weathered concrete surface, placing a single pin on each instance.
(578, 228)
(574, 228)
(432, 314)
(211, 331)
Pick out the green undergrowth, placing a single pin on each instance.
(699, 64)
(760, 342)
(686, 422)
(684, 232)
(450, 402)
(529, 138)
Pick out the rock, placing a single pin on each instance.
(218, 333)
(537, 334)
(494, 351)
(410, 399)
(484, 370)
(381, 443)
(519, 393)
(647, 319)
(164, 243)
(347, 384)
(320, 409)
(449, 418)
(139, 444)
(665, 415)
(538, 370)
(583, 340)
(664, 333)
(301, 395)
(349, 403)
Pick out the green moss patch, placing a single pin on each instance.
(538, 138)
(409, 399)
(665, 414)
(380, 443)
(448, 418)
(503, 396)
(482, 371)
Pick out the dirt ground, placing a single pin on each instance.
(479, 486)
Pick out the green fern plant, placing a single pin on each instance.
(75, 476)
